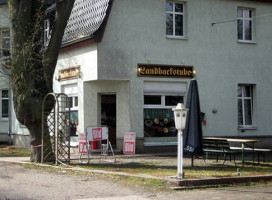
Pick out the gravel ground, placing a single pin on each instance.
(19, 183)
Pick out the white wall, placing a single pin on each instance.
(85, 56)
(92, 92)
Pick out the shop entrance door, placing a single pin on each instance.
(108, 115)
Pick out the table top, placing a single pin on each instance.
(232, 139)
(242, 140)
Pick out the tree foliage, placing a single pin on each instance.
(33, 65)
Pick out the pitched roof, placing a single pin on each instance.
(86, 18)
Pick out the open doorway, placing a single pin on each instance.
(108, 115)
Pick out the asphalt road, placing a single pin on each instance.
(19, 183)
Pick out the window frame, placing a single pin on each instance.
(183, 13)
(244, 19)
(243, 99)
(163, 101)
(73, 107)
(1, 104)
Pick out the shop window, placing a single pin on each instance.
(175, 19)
(4, 104)
(245, 24)
(245, 106)
(158, 115)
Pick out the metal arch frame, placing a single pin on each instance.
(58, 118)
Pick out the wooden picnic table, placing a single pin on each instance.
(243, 141)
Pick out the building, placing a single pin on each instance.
(10, 129)
(126, 64)
(4, 80)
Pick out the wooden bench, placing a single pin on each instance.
(218, 147)
(259, 151)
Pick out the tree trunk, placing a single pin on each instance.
(35, 130)
(32, 67)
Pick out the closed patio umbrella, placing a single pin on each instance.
(192, 134)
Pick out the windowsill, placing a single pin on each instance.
(246, 42)
(153, 144)
(176, 37)
(4, 120)
(247, 128)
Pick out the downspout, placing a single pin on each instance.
(10, 113)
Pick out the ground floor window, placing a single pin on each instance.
(73, 115)
(4, 104)
(245, 105)
(71, 91)
(158, 115)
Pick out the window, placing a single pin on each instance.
(73, 104)
(4, 43)
(245, 106)
(158, 115)
(46, 32)
(245, 24)
(4, 104)
(175, 19)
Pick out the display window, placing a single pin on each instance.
(158, 115)
(72, 93)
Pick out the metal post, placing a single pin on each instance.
(180, 155)
(243, 154)
(56, 131)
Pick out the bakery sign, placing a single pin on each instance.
(165, 71)
(69, 73)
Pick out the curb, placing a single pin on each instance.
(216, 182)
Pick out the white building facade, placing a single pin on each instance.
(4, 56)
(11, 130)
(226, 43)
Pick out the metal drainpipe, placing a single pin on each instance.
(10, 107)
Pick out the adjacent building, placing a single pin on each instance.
(10, 128)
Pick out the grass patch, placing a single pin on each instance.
(227, 171)
(9, 151)
(162, 171)
(156, 169)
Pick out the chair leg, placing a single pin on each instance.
(205, 157)
(225, 158)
